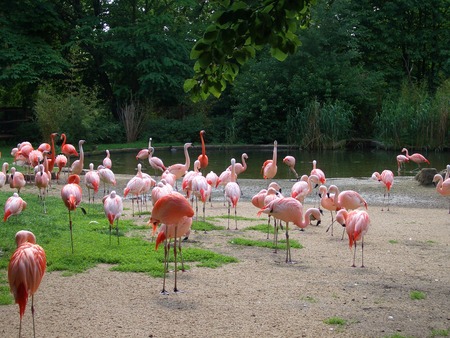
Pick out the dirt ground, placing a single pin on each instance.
(406, 249)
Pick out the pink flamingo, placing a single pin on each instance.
(416, 157)
(61, 162)
(318, 172)
(149, 183)
(77, 166)
(174, 211)
(232, 194)
(288, 209)
(135, 186)
(92, 181)
(239, 168)
(25, 271)
(71, 194)
(180, 169)
(201, 190)
(107, 163)
(303, 188)
(347, 199)
(269, 168)
(442, 186)
(356, 224)
(144, 153)
(155, 162)
(213, 181)
(14, 206)
(107, 177)
(67, 148)
(35, 157)
(401, 160)
(169, 177)
(203, 158)
(16, 180)
(3, 174)
(44, 147)
(387, 180)
(290, 162)
(42, 180)
(161, 189)
(271, 194)
(51, 160)
(186, 184)
(327, 202)
(113, 207)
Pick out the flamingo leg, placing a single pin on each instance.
(268, 227)
(175, 289)
(117, 231)
(288, 247)
(275, 235)
(235, 218)
(331, 225)
(389, 202)
(32, 315)
(109, 234)
(204, 206)
(166, 266)
(354, 256)
(362, 252)
(228, 228)
(71, 232)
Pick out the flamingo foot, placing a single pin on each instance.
(164, 292)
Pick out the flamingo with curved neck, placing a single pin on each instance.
(180, 169)
(202, 157)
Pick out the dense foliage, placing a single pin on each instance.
(310, 73)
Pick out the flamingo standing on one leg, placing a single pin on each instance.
(202, 157)
(180, 169)
(356, 224)
(269, 168)
(25, 271)
(387, 180)
(290, 162)
(232, 194)
(107, 163)
(442, 186)
(288, 209)
(172, 210)
(71, 195)
(416, 157)
(77, 166)
(92, 181)
(113, 207)
(14, 206)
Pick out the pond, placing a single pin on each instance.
(335, 163)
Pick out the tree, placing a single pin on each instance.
(238, 30)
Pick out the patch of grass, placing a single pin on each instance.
(265, 244)
(396, 335)
(335, 321)
(261, 228)
(393, 241)
(439, 333)
(417, 295)
(91, 242)
(205, 226)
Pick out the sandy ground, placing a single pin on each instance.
(406, 249)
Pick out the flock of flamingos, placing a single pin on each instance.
(173, 210)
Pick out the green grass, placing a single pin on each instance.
(397, 335)
(417, 295)
(439, 333)
(261, 228)
(335, 321)
(393, 241)
(91, 242)
(265, 244)
(205, 226)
